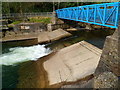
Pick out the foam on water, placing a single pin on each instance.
(22, 54)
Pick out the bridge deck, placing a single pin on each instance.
(106, 14)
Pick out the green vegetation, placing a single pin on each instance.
(29, 7)
(16, 22)
(45, 20)
(33, 7)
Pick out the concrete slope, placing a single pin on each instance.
(52, 36)
(72, 63)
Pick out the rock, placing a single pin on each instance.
(108, 70)
(106, 80)
(73, 29)
(110, 60)
(67, 44)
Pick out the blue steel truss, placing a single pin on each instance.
(106, 14)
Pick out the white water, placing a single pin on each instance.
(22, 54)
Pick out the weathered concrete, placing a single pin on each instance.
(42, 37)
(109, 63)
(18, 38)
(30, 27)
(52, 36)
(81, 84)
(22, 42)
(72, 63)
(109, 60)
(68, 65)
(51, 27)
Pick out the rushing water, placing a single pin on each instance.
(11, 60)
(12, 57)
(22, 54)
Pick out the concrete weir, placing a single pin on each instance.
(52, 36)
(40, 37)
(72, 63)
(68, 65)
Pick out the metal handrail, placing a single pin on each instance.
(106, 14)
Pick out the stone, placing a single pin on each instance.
(108, 70)
(89, 27)
(106, 80)
(109, 60)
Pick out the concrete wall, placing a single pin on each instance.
(51, 26)
(108, 70)
(25, 42)
(30, 27)
(23, 28)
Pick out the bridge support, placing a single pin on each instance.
(108, 70)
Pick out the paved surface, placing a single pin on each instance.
(72, 63)
(52, 36)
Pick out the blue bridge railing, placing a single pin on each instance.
(106, 14)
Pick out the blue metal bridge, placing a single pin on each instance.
(106, 14)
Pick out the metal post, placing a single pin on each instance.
(117, 15)
(95, 7)
(87, 13)
(104, 14)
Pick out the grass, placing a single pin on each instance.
(16, 22)
(45, 20)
